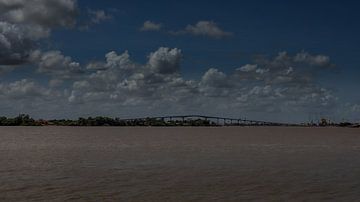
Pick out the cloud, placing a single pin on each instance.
(117, 84)
(23, 23)
(17, 42)
(54, 63)
(94, 17)
(249, 68)
(214, 83)
(119, 78)
(317, 60)
(151, 26)
(285, 84)
(355, 108)
(22, 89)
(266, 86)
(6, 68)
(204, 28)
(214, 77)
(54, 83)
(98, 16)
(45, 13)
(165, 60)
(28, 96)
(113, 60)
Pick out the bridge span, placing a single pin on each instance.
(214, 120)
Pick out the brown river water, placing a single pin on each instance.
(179, 164)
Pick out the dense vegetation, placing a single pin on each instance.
(26, 120)
(106, 121)
(21, 120)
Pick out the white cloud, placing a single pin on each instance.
(113, 60)
(268, 86)
(120, 85)
(214, 77)
(317, 60)
(205, 28)
(22, 89)
(248, 68)
(55, 64)
(262, 71)
(159, 81)
(151, 26)
(98, 16)
(165, 60)
(284, 84)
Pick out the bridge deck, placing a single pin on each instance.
(224, 119)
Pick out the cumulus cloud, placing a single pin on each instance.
(204, 28)
(17, 42)
(22, 89)
(165, 60)
(285, 83)
(214, 83)
(268, 85)
(45, 13)
(282, 84)
(29, 96)
(24, 22)
(122, 80)
(151, 26)
(54, 63)
(214, 77)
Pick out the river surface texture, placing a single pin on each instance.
(179, 164)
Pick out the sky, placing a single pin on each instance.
(268, 60)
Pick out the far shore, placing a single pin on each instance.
(165, 121)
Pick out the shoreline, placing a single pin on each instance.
(187, 127)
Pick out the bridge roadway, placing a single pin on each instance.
(225, 121)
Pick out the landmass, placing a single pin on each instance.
(190, 120)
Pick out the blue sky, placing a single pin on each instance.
(259, 27)
(206, 45)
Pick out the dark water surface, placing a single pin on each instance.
(179, 164)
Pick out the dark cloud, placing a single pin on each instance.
(24, 22)
(16, 43)
(45, 13)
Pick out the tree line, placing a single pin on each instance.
(26, 120)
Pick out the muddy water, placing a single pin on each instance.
(179, 164)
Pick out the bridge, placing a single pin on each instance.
(220, 121)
